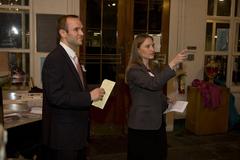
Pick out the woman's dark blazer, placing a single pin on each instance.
(66, 103)
(148, 100)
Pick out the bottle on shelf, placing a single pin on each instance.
(181, 83)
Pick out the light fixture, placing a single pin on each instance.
(14, 30)
(95, 34)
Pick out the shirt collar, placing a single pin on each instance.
(69, 51)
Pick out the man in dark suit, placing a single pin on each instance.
(66, 99)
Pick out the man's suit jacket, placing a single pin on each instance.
(148, 100)
(66, 103)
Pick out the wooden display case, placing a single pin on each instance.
(202, 120)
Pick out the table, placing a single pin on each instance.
(25, 118)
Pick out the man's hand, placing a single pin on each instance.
(97, 94)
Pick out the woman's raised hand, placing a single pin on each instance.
(179, 58)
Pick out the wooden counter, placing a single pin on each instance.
(11, 101)
(203, 120)
(25, 118)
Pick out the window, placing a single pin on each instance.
(148, 19)
(14, 29)
(15, 40)
(147, 16)
(222, 30)
(110, 27)
(101, 41)
(15, 2)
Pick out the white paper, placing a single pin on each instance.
(107, 85)
(178, 106)
(157, 42)
(36, 110)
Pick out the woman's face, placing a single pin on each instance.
(146, 49)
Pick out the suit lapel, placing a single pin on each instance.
(72, 67)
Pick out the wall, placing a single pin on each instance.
(187, 28)
(56, 6)
(47, 7)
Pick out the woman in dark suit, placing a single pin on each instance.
(66, 98)
(146, 123)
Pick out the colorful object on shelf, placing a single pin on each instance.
(18, 76)
(211, 70)
(210, 92)
(181, 83)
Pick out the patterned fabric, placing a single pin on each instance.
(210, 92)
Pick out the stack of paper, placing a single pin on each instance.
(178, 106)
(36, 110)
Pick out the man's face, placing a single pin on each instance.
(74, 33)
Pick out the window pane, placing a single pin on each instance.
(93, 41)
(93, 10)
(236, 71)
(20, 61)
(14, 29)
(210, 7)
(109, 71)
(237, 8)
(109, 41)
(223, 7)
(140, 15)
(14, 2)
(93, 73)
(110, 14)
(237, 42)
(19, 66)
(222, 73)
(208, 43)
(222, 36)
(155, 15)
(101, 38)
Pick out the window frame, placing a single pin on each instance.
(22, 50)
(230, 53)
